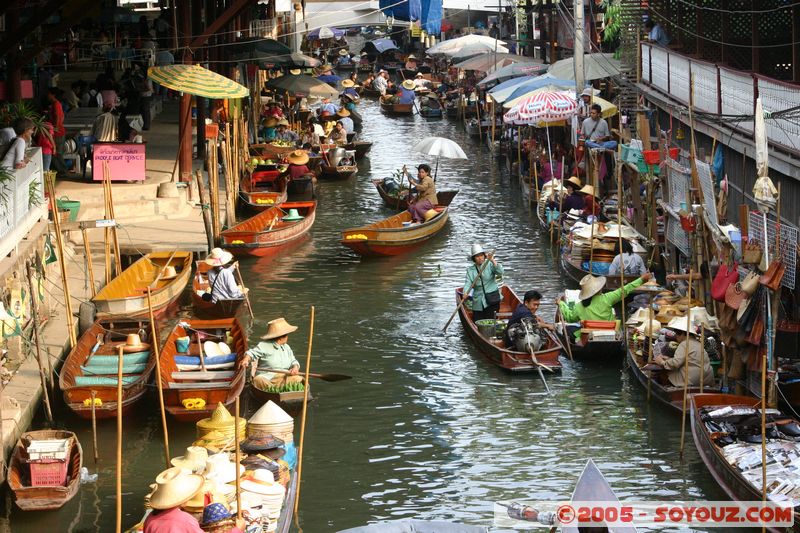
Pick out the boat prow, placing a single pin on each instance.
(394, 235)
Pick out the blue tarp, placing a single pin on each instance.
(408, 11)
(432, 16)
(379, 46)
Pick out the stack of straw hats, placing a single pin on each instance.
(222, 422)
(263, 485)
(271, 420)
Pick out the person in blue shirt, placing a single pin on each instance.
(349, 88)
(656, 33)
(328, 76)
(405, 93)
(328, 108)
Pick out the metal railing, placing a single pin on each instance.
(21, 202)
(722, 90)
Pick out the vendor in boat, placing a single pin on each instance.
(339, 134)
(549, 170)
(268, 128)
(527, 309)
(630, 263)
(327, 75)
(310, 136)
(298, 164)
(221, 281)
(349, 87)
(411, 62)
(344, 58)
(328, 108)
(348, 102)
(572, 198)
(420, 82)
(406, 94)
(591, 206)
(487, 284)
(283, 132)
(173, 488)
(381, 82)
(426, 192)
(367, 83)
(593, 304)
(275, 354)
(688, 346)
(364, 61)
(346, 121)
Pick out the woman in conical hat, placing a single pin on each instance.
(274, 354)
(174, 487)
(593, 304)
(221, 280)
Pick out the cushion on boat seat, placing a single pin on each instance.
(83, 381)
(107, 370)
(127, 359)
(195, 360)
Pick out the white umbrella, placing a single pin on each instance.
(440, 147)
(453, 45)
(475, 49)
(326, 33)
(524, 66)
(595, 67)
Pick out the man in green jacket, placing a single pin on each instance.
(593, 304)
(276, 354)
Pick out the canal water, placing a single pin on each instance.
(426, 428)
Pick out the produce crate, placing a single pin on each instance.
(48, 473)
(48, 450)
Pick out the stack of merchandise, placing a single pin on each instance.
(270, 419)
(217, 433)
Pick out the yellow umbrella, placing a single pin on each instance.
(607, 108)
(196, 80)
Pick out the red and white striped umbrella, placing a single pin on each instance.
(542, 108)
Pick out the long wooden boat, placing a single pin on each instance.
(666, 393)
(391, 236)
(257, 198)
(369, 92)
(357, 119)
(361, 148)
(577, 272)
(271, 151)
(444, 197)
(494, 349)
(337, 172)
(430, 112)
(303, 188)
(92, 366)
(126, 295)
(47, 497)
(207, 309)
(588, 349)
(592, 486)
(267, 232)
(291, 402)
(391, 108)
(709, 447)
(214, 385)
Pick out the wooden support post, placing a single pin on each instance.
(63, 265)
(37, 341)
(87, 250)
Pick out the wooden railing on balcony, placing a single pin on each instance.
(21, 202)
(724, 91)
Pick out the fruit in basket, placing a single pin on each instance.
(254, 161)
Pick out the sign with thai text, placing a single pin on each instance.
(126, 161)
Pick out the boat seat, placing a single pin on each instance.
(203, 385)
(199, 375)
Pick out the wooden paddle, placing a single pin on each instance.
(161, 272)
(323, 377)
(466, 294)
(536, 361)
(244, 290)
(566, 333)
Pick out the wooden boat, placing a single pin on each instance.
(337, 172)
(291, 402)
(589, 348)
(727, 475)
(270, 151)
(303, 188)
(444, 197)
(391, 108)
(592, 486)
(475, 128)
(357, 119)
(46, 497)
(429, 107)
(662, 391)
(267, 232)
(391, 236)
(361, 148)
(255, 198)
(212, 385)
(91, 366)
(366, 69)
(369, 92)
(287, 510)
(207, 309)
(126, 295)
(494, 349)
(576, 272)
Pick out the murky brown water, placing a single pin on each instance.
(426, 428)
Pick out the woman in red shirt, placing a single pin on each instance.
(47, 145)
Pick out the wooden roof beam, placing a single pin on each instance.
(236, 7)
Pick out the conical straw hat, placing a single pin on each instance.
(270, 413)
(221, 420)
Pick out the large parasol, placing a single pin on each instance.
(452, 46)
(439, 147)
(198, 81)
(302, 85)
(595, 66)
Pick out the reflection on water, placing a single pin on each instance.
(426, 428)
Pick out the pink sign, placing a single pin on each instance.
(126, 161)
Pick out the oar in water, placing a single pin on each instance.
(323, 377)
(533, 356)
(466, 294)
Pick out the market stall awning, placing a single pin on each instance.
(519, 86)
(379, 46)
(451, 46)
(302, 85)
(524, 66)
(491, 62)
(595, 67)
(196, 80)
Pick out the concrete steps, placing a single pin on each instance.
(139, 210)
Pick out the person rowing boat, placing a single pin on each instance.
(277, 355)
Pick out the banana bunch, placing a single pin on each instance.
(265, 201)
(193, 403)
(97, 402)
(237, 242)
(356, 237)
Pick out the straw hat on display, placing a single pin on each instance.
(298, 157)
(221, 469)
(278, 328)
(218, 257)
(193, 461)
(174, 488)
(221, 420)
(268, 445)
(260, 482)
(700, 317)
(681, 323)
(348, 83)
(591, 285)
(408, 84)
(270, 419)
(133, 343)
(638, 317)
(649, 330)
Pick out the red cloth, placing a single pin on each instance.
(45, 143)
(590, 206)
(171, 521)
(296, 171)
(56, 113)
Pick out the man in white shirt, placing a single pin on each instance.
(596, 132)
(381, 83)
